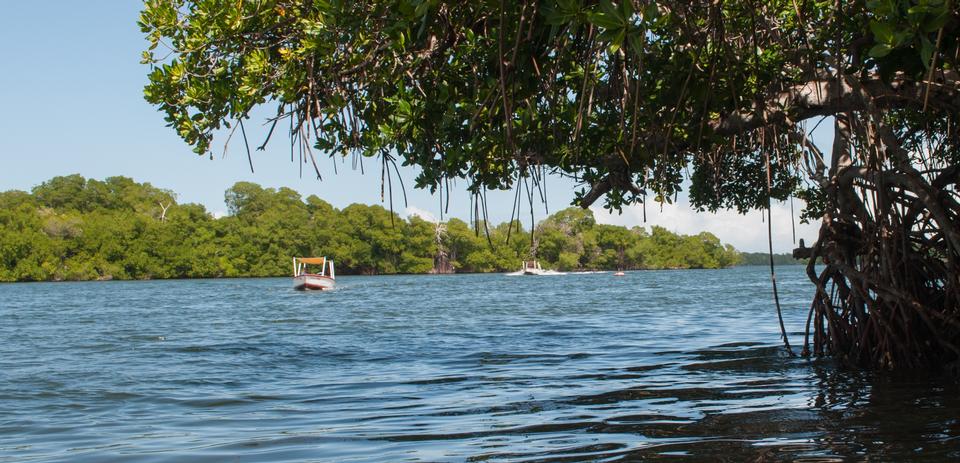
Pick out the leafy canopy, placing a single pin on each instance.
(121, 229)
(629, 97)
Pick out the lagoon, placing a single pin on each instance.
(683, 365)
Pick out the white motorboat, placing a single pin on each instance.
(304, 280)
(532, 267)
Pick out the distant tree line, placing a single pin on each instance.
(762, 258)
(72, 228)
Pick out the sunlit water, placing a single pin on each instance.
(672, 364)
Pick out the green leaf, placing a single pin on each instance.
(880, 50)
(608, 8)
(936, 23)
(626, 8)
(404, 107)
(882, 32)
(617, 42)
(651, 12)
(421, 9)
(636, 42)
(926, 52)
(557, 18)
(605, 20)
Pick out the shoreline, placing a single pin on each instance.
(583, 271)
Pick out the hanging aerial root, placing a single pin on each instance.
(888, 290)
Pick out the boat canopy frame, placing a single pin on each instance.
(326, 266)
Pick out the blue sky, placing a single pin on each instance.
(71, 97)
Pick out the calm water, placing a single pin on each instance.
(673, 365)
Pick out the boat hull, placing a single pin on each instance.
(537, 272)
(312, 283)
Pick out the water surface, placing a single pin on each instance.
(683, 365)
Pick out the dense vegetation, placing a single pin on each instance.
(71, 228)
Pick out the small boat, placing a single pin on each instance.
(532, 267)
(619, 273)
(303, 280)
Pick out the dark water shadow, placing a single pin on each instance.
(753, 403)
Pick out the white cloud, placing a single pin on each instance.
(423, 214)
(745, 232)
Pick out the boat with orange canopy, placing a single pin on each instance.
(304, 280)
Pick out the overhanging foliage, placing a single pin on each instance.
(628, 97)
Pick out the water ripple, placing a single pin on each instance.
(418, 368)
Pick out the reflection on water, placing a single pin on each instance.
(451, 368)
